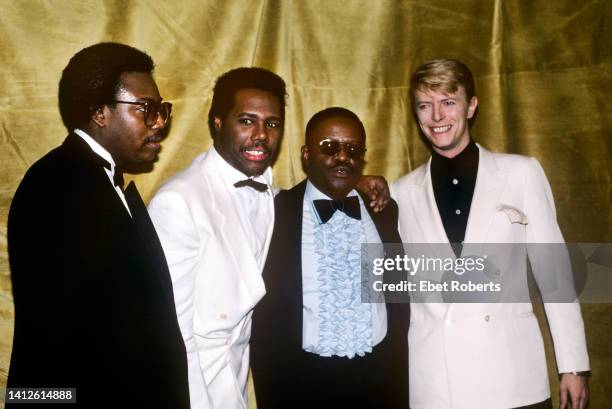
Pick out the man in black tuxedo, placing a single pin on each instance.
(314, 343)
(94, 308)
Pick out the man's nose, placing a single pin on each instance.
(261, 133)
(437, 114)
(159, 122)
(341, 155)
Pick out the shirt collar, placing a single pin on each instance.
(231, 175)
(464, 160)
(97, 148)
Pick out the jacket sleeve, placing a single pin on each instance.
(179, 237)
(551, 266)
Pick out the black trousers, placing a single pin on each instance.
(302, 380)
(367, 382)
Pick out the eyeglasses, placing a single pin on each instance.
(331, 147)
(152, 111)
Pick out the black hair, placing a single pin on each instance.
(333, 112)
(92, 79)
(231, 82)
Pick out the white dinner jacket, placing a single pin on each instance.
(487, 356)
(217, 280)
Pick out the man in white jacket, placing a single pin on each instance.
(214, 220)
(480, 355)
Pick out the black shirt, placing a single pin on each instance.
(453, 185)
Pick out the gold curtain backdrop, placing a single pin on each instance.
(543, 76)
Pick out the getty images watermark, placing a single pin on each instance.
(475, 273)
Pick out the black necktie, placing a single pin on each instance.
(260, 187)
(348, 205)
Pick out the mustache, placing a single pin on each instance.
(158, 137)
(345, 165)
(257, 144)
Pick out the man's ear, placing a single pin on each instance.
(218, 123)
(304, 158)
(99, 116)
(472, 105)
(305, 152)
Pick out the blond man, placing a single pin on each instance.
(480, 355)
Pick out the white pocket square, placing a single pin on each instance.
(514, 214)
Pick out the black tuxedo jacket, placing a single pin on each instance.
(94, 308)
(284, 375)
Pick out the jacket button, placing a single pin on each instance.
(223, 316)
(487, 318)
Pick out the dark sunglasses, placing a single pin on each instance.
(152, 111)
(331, 147)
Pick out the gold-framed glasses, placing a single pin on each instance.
(331, 147)
(152, 111)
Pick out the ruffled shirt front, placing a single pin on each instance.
(335, 320)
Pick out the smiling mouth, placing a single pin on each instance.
(441, 129)
(255, 154)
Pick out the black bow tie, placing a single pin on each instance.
(260, 187)
(348, 205)
(117, 177)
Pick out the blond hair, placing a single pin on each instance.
(444, 75)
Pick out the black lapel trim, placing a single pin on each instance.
(150, 240)
(289, 206)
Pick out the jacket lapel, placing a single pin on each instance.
(426, 209)
(272, 215)
(280, 311)
(490, 183)
(429, 220)
(229, 231)
(294, 207)
(431, 239)
(90, 160)
(151, 241)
